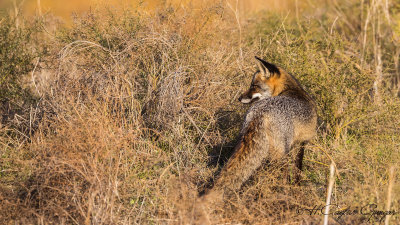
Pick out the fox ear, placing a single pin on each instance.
(266, 68)
(263, 70)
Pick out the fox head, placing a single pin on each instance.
(263, 84)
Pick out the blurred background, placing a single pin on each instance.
(64, 9)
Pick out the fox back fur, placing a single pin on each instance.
(282, 115)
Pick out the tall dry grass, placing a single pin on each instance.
(135, 114)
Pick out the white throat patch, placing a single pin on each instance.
(256, 95)
(245, 100)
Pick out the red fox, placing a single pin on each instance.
(282, 115)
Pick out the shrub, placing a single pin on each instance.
(16, 60)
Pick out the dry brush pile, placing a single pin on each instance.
(133, 114)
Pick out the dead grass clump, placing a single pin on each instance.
(68, 180)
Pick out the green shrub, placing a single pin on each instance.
(16, 60)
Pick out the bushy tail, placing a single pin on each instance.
(246, 159)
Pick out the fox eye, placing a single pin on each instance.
(257, 86)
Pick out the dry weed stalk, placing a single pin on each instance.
(16, 13)
(389, 193)
(39, 7)
(331, 182)
(376, 11)
(236, 12)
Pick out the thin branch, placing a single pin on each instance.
(329, 193)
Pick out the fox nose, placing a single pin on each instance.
(240, 98)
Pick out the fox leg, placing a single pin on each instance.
(299, 162)
(279, 150)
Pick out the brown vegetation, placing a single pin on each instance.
(130, 115)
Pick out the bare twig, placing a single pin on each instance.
(389, 194)
(33, 77)
(16, 12)
(329, 193)
(237, 17)
(39, 8)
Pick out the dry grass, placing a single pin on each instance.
(136, 113)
